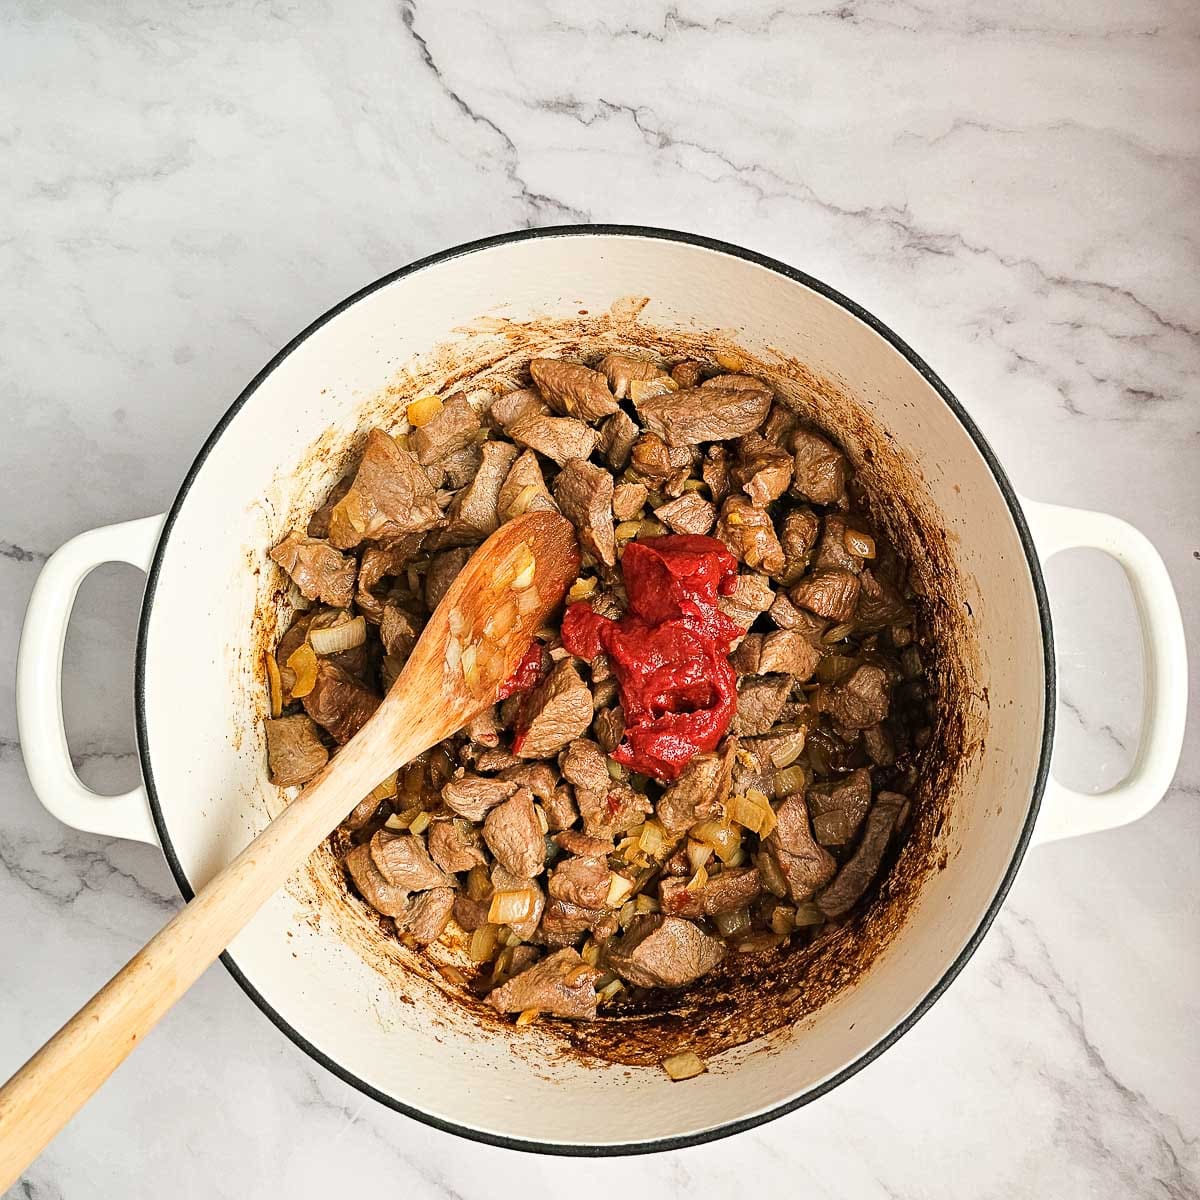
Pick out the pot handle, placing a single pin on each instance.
(1066, 812)
(39, 682)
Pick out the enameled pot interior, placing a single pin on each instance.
(315, 958)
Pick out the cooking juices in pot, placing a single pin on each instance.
(708, 754)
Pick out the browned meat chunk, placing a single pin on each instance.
(831, 549)
(514, 835)
(524, 490)
(763, 471)
(838, 808)
(797, 535)
(428, 915)
(820, 468)
(805, 866)
(574, 842)
(704, 414)
(562, 985)
(390, 495)
(746, 656)
(484, 730)
(338, 702)
(779, 426)
(732, 889)
(377, 563)
(622, 369)
(558, 438)
(508, 409)
(461, 467)
(688, 373)
(318, 523)
(561, 810)
(737, 382)
(582, 881)
(751, 595)
(564, 922)
(451, 429)
(442, 572)
(401, 858)
(295, 752)
(617, 436)
(539, 777)
(863, 865)
(787, 652)
(662, 951)
(750, 536)
(585, 767)
(615, 809)
(830, 594)
(690, 513)
(375, 890)
(880, 745)
(760, 701)
(609, 727)
(879, 604)
(778, 749)
(585, 494)
(397, 631)
(473, 513)
(572, 390)
(657, 462)
(556, 712)
(317, 569)
(474, 796)
(628, 499)
(715, 472)
(471, 914)
(859, 701)
(700, 791)
(455, 846)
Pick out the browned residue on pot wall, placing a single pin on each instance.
(747, 996)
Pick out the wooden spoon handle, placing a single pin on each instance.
(51, 1087)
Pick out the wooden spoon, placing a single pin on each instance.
(471, 644)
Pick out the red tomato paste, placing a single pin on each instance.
(527, 674)
(669, 651)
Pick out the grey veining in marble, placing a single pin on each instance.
(1014, 187)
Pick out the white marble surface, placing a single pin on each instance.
(1012, 185)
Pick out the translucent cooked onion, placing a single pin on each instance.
(698, 853)
(627, 530)
(421, 411)
(590, 952)
(479, 886)
(337, 638)
(729, 924)
(511, 908)
(502, 620)
(783, 920)
(720, 835)
(652, 838)
(303, 661)
(808, 914)
(420, 823)
(484, 942)
(697, 881)
(684, 1066)
(771, 876)
(645, 904)
(528, 1016)
(792, 779)
(384, 790)
(274, 687)
(609, 990)
(752, 811)
(582, 588)
(835, 667)
(618, 889)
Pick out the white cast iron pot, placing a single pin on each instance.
(198, 691)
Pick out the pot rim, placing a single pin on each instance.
(728, 1128)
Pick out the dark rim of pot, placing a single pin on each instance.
(1014, 508)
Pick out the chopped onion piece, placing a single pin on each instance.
(684, 1066)
(581, 588)
(345, 636)
(479, 886)
(791, 780)
(398, 822)
(453, 654)
(524, 499)
(649, 528)
(470, 667)
(303, 661)
(783, 920)
(748, 812)
(543, 820)
(645, 904)
(420, 823)
(483, 943)
(720, 835)
(808, 914)
(422, 410)
(609, 990)
(385, 789)
(652, 838)
(698, 853)
(456, 621)
(732, 923)
(502, 620)
(618, 889)
(627, 530)
(274, 687)
(590, 952)
(511, 908)
(730, 362)
(528, 1016)
(627, 913)
(697, 881)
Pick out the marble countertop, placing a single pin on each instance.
(1012, 186)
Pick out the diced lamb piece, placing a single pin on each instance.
(295, 752)
(609, 727)
(379, 562)
(663, 951)
(762, 470)
(404, 862)
(657, 462)
(779, 426)
(471, 914)
(617, 436)
(317, 569)
(585, 766)
(484, 729)
(760, 701)
(573, 390)
(585, 494)
(560, 439)
(390, 496)
(556, 712)
(831, 553)
(443, 570)
(746, 656)
(338, 702)
(504, 880)
(736, 381)
(700, 791)
(462, 466)
(510, 408)
(724, 893)
(473, 513)
(863, 865)
(838, 808)
(562, 985)
(451, 429)
(428, 915)
(688, 373)
(715, 472)
(786, 651)
(514, 835)
(318, 523)
(614, 810)
(879, 604)
(805, 866)
(375, 890)
(622, 369)
(564, 923)
(455, 846)
(820, 468)
(704, 414)
(831, 594)
(778, 749)
(561, 810)
(574, 842)
(397, 631)
(861, 700)
(690, 513)
(676, 899)
(751, 595)
(499, 759)
(880, 745)
(540, 778)
(628, 500)
(797, 535)
(750, 535)
(581, 880)
(362, 813)
(524, 489)
(474, 796)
